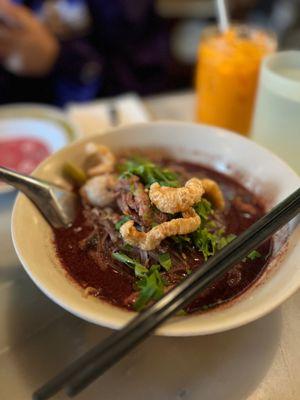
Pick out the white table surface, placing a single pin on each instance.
(260, 361)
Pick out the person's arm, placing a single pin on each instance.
(29, 49)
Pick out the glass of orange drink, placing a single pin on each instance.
(227, 74)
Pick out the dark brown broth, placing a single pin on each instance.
(116, 287)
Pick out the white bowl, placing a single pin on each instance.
(33, 121)
(257, 168)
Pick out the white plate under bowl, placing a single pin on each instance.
(33, 121)
(257, 169)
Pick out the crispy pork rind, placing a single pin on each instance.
(150, 240)
(173, 200)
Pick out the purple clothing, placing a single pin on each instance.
(125, 48)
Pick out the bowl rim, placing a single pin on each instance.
(165, 330)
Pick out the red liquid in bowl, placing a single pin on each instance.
(22, 154)
(115, 283)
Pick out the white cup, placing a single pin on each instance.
(276, 122)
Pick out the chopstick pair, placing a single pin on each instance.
(90, 366)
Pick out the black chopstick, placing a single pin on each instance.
(87, 368)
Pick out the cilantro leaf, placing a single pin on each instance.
(151, 288)
(149, 282)
(225, 240)
(203, 209)
(127, 247)
(139, 269)
(209, 242)
(122, 221)
(205, 241)
(148, 172)
(165, 261)
(253, 255)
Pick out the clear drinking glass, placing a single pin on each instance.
(277, 116)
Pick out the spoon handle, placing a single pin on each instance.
(25, 183)
(56, 204)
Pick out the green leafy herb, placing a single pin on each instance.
(165, 261)
(151, 287)
(225, 240)
(253, 255)
(149, 281)
(139, 269)
(127, 247)
(148, 172)
(208, 238)
(205, 241)
(203, 209)
(122, 221)
(209, 242)
(211, 224)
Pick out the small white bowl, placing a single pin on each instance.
(257, 169)
(33, 121)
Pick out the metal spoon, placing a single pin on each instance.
(57, 205)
